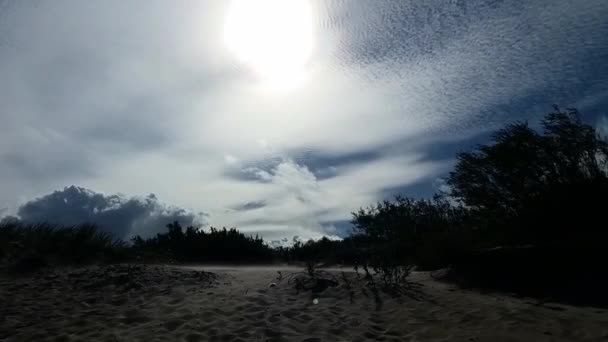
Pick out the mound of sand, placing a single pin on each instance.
(153, 303)
(94, 303)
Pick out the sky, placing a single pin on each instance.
(135, 113)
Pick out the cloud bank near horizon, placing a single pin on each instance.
(119, 215)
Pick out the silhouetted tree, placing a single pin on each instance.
(403, 230)
(544, 187)
(196, 245)
(24, 245)
(175, 231)
(536, 187)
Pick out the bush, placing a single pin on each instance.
(30, 246)
(196, 245)
(570, 274)
(406, 231)
(538, 188)
(545, 189)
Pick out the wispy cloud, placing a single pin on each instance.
(253, 205)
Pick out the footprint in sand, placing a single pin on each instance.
(275, 318)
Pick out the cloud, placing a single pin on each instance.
(107, 96)
(250, 206)
(122, 216)
(297, 202)
(284, 242)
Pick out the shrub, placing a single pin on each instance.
(525, 187)
(197, 245)
(537, 187)
(30, 246)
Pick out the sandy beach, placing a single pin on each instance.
(162, 303)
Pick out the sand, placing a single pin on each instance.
(161, 303)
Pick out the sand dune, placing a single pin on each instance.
(155, 303)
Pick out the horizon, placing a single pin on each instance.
(133, 115)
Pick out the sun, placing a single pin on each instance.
(272, 37)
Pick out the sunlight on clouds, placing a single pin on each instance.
(295, 200)
(230, 159)
(273, 37)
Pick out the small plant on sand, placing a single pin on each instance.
(347, 284)
(362, 260)
(311, 279)
(311, 269)
(393, 275)
(368, 275)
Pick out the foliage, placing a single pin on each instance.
(525, 187)
(35, 245)
(324, 251)
(311, 279)
(197, 245)
(401, 231)
(31, 246)
(391, 273)
(531, 187)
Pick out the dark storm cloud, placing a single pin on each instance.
(116, 214)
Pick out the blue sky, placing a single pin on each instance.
(124, 99)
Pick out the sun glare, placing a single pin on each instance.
(272, 37)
